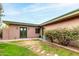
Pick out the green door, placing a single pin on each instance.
(23, 32)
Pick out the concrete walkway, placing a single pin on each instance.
(69, 48)
(19, 39)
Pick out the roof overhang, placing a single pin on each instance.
(20, 23)
(63, 17)
(60, 18)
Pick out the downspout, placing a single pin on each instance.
(42, 31)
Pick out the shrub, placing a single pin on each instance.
(64, 36)
(3, 26)
(49, 36)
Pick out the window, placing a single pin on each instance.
(37, 30)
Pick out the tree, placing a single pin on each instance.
(1, 11)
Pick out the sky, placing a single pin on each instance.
(35, 13)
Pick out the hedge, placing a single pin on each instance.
(63, 36)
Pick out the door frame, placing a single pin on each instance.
(21, 33)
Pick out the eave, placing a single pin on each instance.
(63, 17)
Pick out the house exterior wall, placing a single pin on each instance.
(31, 32)
(63, 24)
(13, 32)
(70, 23)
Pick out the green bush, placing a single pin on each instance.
(63, 36)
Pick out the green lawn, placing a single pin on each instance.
(57, 50)
(14, 50)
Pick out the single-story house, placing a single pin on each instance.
(18, 30)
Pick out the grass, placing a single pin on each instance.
(14, 50)
(57, 50)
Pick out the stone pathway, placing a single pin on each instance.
(35, 47)
(40, 51)
(30, 44)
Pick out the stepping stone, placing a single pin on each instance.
(55, 55)
(31, 47)
(48, 54)
(43, 51)
(34, 49)
(38, 50)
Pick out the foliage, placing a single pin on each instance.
(3, 26)
(64, 36)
